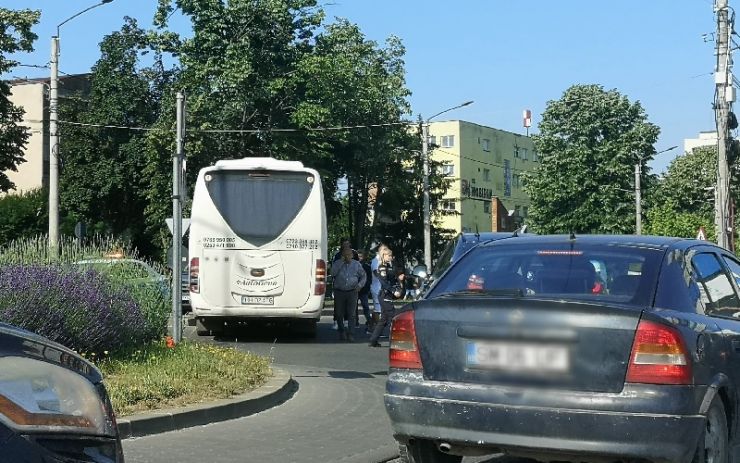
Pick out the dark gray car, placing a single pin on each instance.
(53, 405)
(584, 348)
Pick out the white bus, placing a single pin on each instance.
(258, 244)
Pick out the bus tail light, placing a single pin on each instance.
(194, 273)
(320, 286)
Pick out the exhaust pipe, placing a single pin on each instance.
(444, 447)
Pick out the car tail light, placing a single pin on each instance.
(404, 349)
(658, 356)
(320, 286)
(194, 273)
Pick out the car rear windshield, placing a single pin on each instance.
(616, 273)
(259, 205)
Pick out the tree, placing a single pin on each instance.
(684, 197)
(589, 141)
(103, 178)
(15, 36)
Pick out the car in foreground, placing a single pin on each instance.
(54, 407)
(572, 348)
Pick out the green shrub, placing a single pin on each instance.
(24, 214)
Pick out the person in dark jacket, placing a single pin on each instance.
(364, 293)
(349, 277)
(346, 243)
(392, 288)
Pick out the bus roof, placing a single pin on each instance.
(259, 163)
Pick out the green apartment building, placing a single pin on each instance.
(485, 166)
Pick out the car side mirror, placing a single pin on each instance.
(420, 271)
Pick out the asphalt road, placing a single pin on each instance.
(336, 415)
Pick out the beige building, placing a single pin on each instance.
(708, 138)
(33, 96)
(485, 166)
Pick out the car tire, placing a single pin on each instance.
(425, 451)
(713, 446)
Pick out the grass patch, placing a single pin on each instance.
(159, 377)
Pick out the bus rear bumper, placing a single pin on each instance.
(310, 310)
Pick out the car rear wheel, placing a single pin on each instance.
(424, 451)
(714, 442)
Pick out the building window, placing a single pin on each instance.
(535, 158)
(487, 175)
(515, 181)
(472, 181)
(448, 204)
(448, 141)
(447, 170)
(516, 211)
(487, 207)
(516, 152)
(524, 153)
(432, 140)
(525, 211)
(486, 143)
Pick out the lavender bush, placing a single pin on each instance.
(83, 308)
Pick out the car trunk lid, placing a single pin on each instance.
(523, 341)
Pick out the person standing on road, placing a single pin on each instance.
(349, 277)
(338, 257)
(391, 283)
(375, 287)
(364, 293)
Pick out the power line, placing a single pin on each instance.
(239, 131)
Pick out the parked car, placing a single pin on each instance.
(134, 271)
(583, 348)
(54, 407)
(456, 248)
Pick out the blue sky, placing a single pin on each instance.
(507, 56)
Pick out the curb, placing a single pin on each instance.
(277, 390)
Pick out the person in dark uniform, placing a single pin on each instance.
(364, 293)
(392, 288)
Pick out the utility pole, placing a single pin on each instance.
(54, 147)
(638, 199)
(54, 132)
(724, 96)
(177, 223)
(427, 213)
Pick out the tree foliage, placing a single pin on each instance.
(23, 215)
(103, 177)
(589, 141)
(15, 36)
(261, 78)
(684, 197)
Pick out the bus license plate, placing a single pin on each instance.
(258, 300)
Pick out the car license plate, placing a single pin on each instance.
(258, 300)
(510, 356)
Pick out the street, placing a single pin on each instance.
(336, 415)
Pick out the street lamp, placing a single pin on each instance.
(638, 191)
(54, 131)
(425, 158)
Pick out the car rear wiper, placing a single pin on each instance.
(511, 292)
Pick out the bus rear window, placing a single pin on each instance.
(259, 205)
